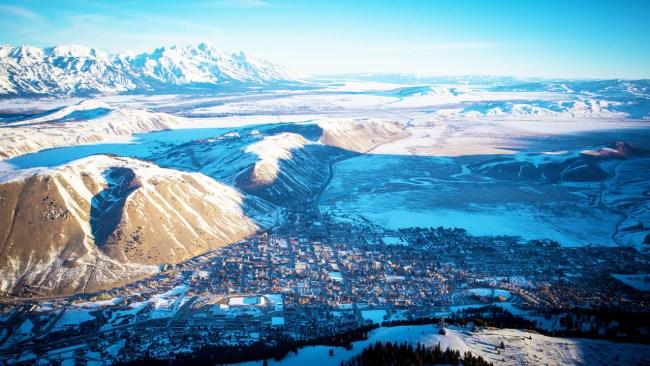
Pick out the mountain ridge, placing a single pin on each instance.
(73, 70)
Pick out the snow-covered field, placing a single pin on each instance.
(72, 318)
(521, 347)
(640, 282)
(399, 191)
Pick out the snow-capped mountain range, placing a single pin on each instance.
(80, 70)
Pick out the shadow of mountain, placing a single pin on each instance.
(299, 179)
(74, 115)
(107, 206)
(311, 132)
(86, 114)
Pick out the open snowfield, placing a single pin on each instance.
(399, 191)
(521, 347)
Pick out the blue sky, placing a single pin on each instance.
(569, 38)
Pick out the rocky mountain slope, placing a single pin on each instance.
(283, 164)
(78, 70)
(360, 135)
(104, 221)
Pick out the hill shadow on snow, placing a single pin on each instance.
(107, 206)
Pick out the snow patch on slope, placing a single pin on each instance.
(270, 150)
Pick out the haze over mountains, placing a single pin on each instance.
(80, 70)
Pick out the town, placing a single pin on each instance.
(318, 275)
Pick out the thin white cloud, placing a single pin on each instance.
(20, 12)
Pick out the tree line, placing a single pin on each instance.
(404, 354)
(217, 354)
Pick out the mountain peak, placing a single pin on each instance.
(75, 51)
(65, 70)
(25, 51)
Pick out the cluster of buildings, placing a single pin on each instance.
(314, 277)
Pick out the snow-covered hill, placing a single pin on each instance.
(521, 347)
(581, 108)
(86, 122)
(79, 70)
(282, 163)
(104, 221)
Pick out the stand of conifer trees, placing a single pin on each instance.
(404, 354)
(214, 354)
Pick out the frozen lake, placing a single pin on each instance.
(139, 146)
